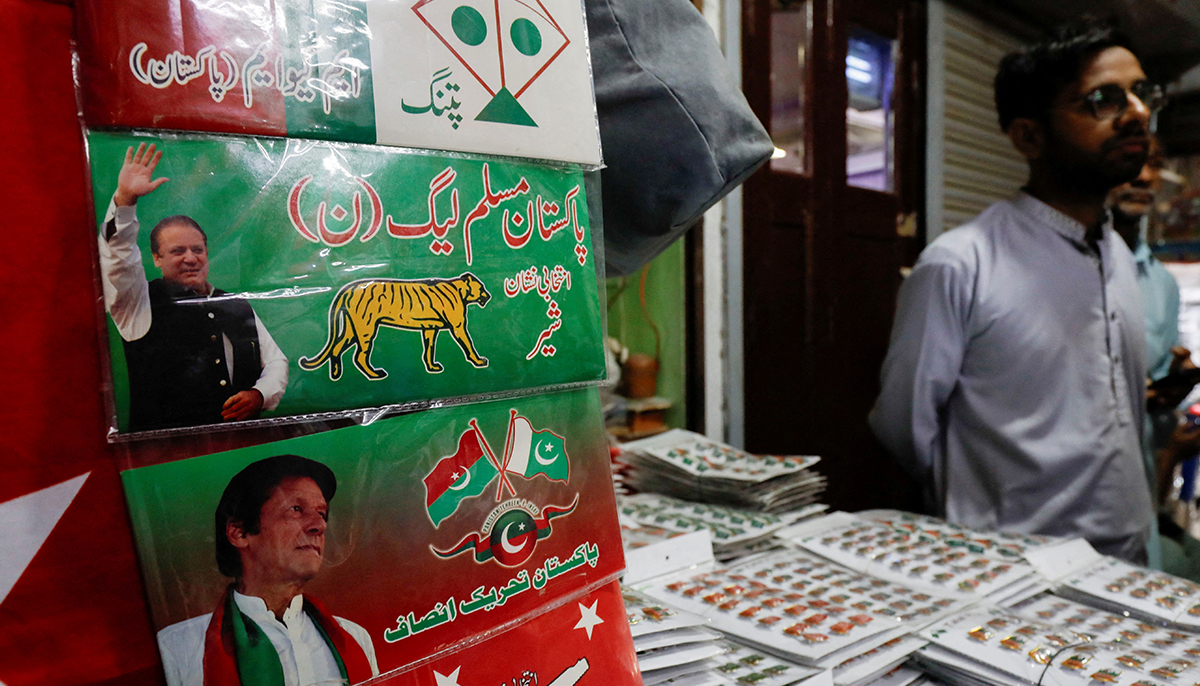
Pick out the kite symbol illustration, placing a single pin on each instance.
(506, 45)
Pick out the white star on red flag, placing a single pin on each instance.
(26, 523)
(447, 680)
(588, 618)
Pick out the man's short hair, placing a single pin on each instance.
(173, 220)
(1030, 78)
(250, 489)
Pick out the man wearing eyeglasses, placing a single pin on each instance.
(1014, 384)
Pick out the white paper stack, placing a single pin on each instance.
(809, 610)
(996, 544)
(735, 531)
(954, 566)
(903, 675)
(655, 625)
(744, 665)
(670, 643)
(693, 467)
(652, 551)
(1121, 587)
(1056, 642)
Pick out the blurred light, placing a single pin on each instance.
(779, 153)
(858, 63)
(858, 75)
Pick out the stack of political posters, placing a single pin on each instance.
(690, 466)
(309, 219)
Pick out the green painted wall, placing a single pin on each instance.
(666, 301)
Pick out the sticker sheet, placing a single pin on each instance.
(1148, 593)
(1002, 545)
(916, 558)
(504, 77)
(331, 277)
(728, 525)
(998, 646)
(440, 527)
(798, 605)
(691, 466)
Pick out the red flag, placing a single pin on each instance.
(450, 469)
(460, 476)
(76, 611)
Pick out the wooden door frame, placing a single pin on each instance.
(810, 378)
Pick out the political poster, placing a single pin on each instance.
(506, 77)
(289, 278)
(418, 535)
(591, 643)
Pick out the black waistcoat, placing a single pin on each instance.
(178, 375)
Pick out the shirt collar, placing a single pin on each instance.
(1142, 253)
(1065, 226)
(256, 608)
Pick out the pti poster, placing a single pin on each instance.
(592, 645)
(507, 77)
(334, 276)
(443, 528)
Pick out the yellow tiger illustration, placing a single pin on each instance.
(425, 305)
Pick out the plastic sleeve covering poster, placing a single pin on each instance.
(383, 276)
(447, 527)
(507, 77)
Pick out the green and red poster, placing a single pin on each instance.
(334, 277)
(441, 529)
(506, 77)
(591, 645)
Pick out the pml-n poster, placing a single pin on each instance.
(292, 277)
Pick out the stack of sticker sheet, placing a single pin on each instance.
(635, 535)
(1051, 640)
(652, 551)
(999, 544)
(742, 665)
(735, 531)
(670, 644)
(690, 466)
(1148, 594)
(805, 609)
(957, 566)
(904, 675)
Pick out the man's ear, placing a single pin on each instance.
(157, 261)
(1028, 136)
(236, 533)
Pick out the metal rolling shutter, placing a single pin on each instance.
(980, 165)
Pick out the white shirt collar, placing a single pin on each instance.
(256, 608)
(1069, 228)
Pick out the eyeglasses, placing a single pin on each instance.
(1110, 101)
